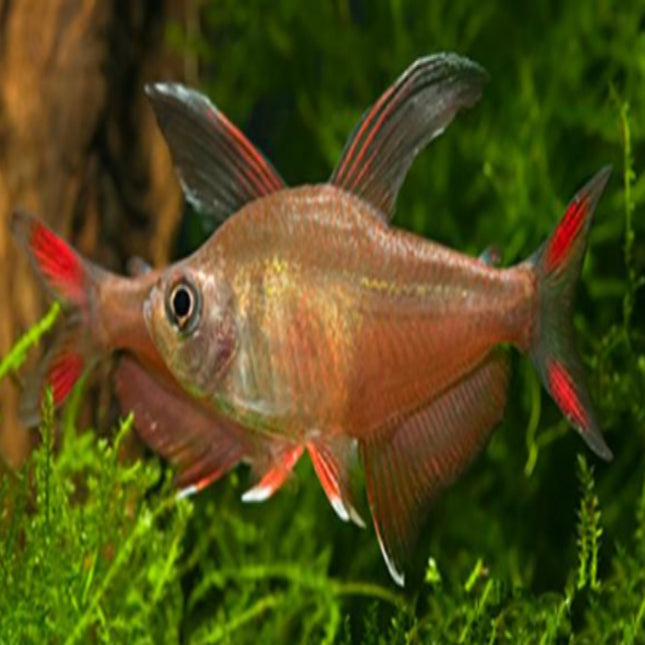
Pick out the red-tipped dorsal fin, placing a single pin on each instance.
(406, 470)
(199, 444)
(335, 462)
(557, 266)
(284, 456)
(219, 168)
(59, 265)
(412, 112)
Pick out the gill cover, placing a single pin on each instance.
(190, 318)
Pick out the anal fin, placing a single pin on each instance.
(406, 470)
(202, 445)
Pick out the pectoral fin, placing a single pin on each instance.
(202, 446)
(426, 453)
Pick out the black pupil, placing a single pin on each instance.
(181, 302)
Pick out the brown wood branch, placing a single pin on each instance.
(79, 147)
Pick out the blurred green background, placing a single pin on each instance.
(512, 543)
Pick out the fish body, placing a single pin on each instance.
(343, 324)
(306, 323)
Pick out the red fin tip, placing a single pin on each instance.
(566, 233)
(63, 374)
(59, 265)
(563, 390)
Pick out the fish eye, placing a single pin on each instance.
(183, 305)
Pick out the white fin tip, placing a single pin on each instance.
(257, 494)
(186, 492)
(339, 507)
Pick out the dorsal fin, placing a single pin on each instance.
(412, 112)
(220, 170)
(403, 473)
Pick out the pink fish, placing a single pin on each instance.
(307, 323)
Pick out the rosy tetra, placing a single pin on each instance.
(307, 323)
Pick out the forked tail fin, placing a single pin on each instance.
(70, 279)
(557, 265)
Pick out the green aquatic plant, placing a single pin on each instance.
(84, 555)
(589, 529)
(94, 549)
(16, 357)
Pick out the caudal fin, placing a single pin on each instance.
(69, 278)
(557, 265)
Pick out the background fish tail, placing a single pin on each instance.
(69, 278)
(557, 265)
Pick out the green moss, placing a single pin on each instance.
(84, 554)
(94, 549)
